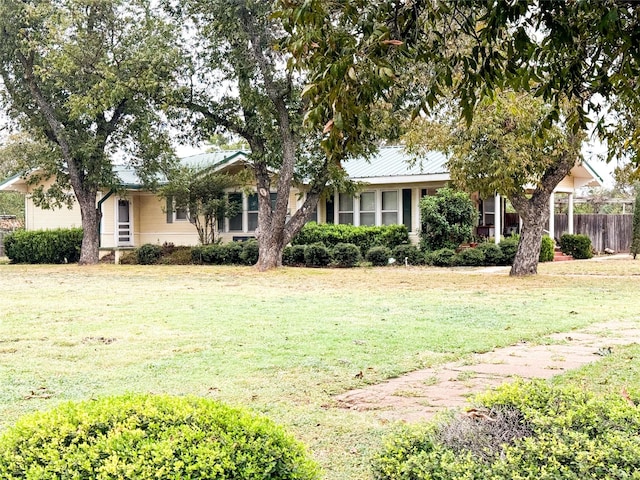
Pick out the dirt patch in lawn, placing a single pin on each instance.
(420, 394)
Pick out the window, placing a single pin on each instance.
(252, 211)
(345, 209)
(368, 208)
(235, 222)
(390, 207)
(181, 214)
(488, 211)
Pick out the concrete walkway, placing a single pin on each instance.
(420, 394)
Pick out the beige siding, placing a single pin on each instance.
(150, 223)
(107, 226)
(37, 218)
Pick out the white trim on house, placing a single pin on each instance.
(403, 179)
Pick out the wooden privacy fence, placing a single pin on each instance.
(605, 231)
(2, 235)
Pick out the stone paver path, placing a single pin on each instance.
(418, 395)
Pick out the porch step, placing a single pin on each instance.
(558, 256)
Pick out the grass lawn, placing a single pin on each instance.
(284, 342)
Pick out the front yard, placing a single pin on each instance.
(283, 343)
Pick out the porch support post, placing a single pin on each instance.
(497, 214)
(570, 214)
(552, 212)
(415, 205)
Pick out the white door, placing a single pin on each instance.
(124, 223)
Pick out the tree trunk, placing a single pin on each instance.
(534, 211)
(270, 248)
(528, 254)
(89, 252)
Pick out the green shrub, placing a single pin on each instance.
(378, 256)
(129, 258)
(364, 237)
(146, 437)
(526, 430)
(578, 246)
(44, 246)
(468, 257)
(293, 255)
(509, 248)
(148, 254)
(492, 253)
(547, 249)
(250, 252)
(177, 256)
(316, 255)
(213, 254)
(410, 252)
(233, 253)
(446, 219)
(346, 255)
(440, 258)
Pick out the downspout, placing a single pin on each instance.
(100, 202)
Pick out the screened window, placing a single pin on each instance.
(390, 207)
(181, 214)
(252, 209)
(235, 222)
(368, 208)
(345, 209)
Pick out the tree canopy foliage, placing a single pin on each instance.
(586, 53)
(506, 150)
(237, 82)
(201, 194)
(81, 76)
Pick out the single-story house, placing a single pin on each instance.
(393, 187)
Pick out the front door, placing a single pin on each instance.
(124, 223)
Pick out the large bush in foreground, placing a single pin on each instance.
(44, 246)
(150, 437)
(523, 431)
(446, 219)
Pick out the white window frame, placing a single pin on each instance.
(368, 212)
(398, 208)
(347, 212)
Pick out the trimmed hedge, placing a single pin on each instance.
(440, 258)
(525, 430)
(146, 437)
(346, 255)
(293, 255)
(317, 255)
(492, 253)
(364, 237)
(250, 252)
(469, 257)
(509, 248)
(44, 246)
(411, 253)
(230, 253)
(578, 246)
(148, 254)
(378, 256)
(547, 249)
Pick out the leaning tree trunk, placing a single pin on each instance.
(535, 214)
(534, 210)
